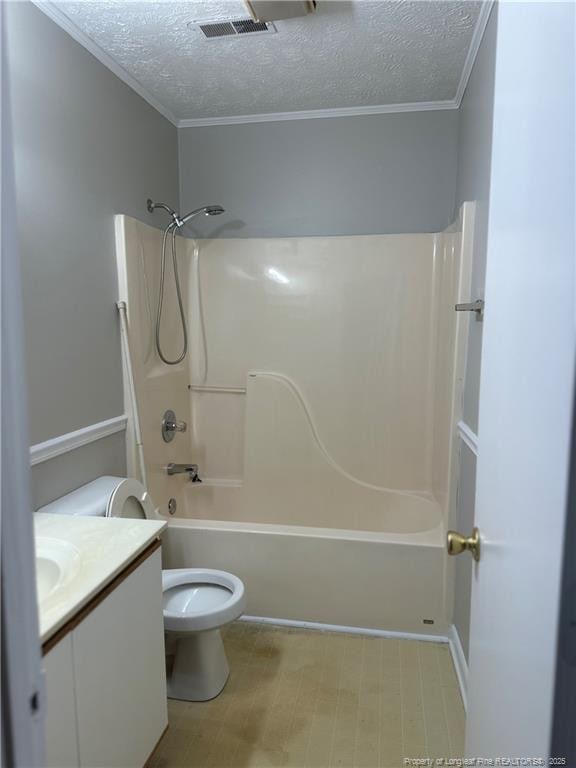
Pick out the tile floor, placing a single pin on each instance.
(307, 699)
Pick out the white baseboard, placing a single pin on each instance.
(460, 663)
(348, 630)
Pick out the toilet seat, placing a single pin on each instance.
(215, 612)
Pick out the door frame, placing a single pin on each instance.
(23, 699)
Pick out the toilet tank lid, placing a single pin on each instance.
(91, 499)
(126, 491)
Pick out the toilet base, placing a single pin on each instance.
(200, 668)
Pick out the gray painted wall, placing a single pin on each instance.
(86, 147)
(63, 474)
(473, 183)
(339, 176)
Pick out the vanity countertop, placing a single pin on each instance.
(76, 557)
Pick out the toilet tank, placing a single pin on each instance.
(106, 496)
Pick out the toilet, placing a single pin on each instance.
(197, 602)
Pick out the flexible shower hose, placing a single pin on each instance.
(170, 229)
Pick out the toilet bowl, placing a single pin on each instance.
(198, 602)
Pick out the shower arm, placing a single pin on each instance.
(151, 207)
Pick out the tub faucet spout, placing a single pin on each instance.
(179, 469)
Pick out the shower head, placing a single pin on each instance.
(214, 210)
(207, 210)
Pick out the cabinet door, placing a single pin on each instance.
(61, 735)
(120, 674)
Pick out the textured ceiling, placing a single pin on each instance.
(347, 54)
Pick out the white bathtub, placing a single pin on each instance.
(387, 579)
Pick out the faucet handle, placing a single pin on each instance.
(193, 474)
(170, 425)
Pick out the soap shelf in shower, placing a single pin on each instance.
(472, 306)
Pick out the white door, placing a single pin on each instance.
(526, 384)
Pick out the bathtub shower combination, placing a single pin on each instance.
(321, 393)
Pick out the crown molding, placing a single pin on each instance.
(479, 29)
(313, 114)
(65, 23)
(58, 17)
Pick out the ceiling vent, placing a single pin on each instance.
(211, 30)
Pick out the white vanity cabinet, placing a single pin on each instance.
(106, 679)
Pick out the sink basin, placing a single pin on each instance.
(57, 564)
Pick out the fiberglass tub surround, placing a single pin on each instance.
(320, 392)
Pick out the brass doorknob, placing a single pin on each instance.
(456, 543)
